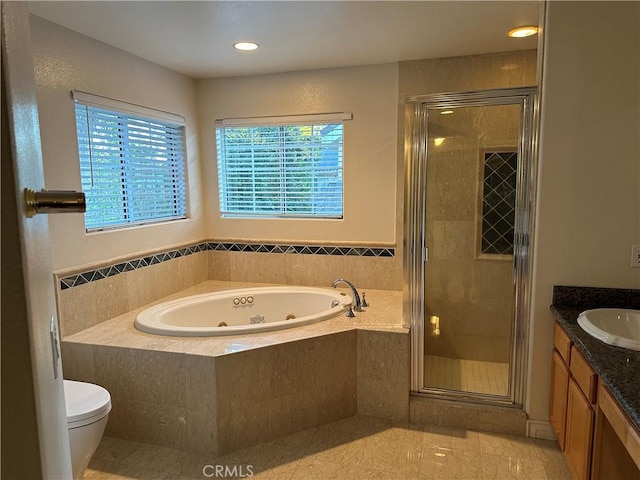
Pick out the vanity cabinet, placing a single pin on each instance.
(616, 451)
(572, 405)
(579, 432)
(598, 440)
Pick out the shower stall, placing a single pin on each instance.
(468, 220)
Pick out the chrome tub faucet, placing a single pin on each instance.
(357, 304)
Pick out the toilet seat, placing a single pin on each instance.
(86, 403)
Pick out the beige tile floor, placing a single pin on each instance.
(466, 375)
(357, 448)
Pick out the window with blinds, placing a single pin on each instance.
(132, 164)
(290, 170)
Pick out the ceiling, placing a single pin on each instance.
(195, 38)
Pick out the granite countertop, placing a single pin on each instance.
(617, 367)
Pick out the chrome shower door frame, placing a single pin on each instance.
(415, 251)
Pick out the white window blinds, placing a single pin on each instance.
(291, 169)
(131, 165)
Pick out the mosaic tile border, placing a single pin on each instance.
(123, 267)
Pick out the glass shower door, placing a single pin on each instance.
(468, 217)
(471, 181)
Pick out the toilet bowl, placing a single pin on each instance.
(88, 408)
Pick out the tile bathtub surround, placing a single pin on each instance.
(161, 398)
(109, 269)
(89, 303)
(383, 374)
(92, 294)
(357, 447)
(381, 273)
(223, 393)
(269, 393)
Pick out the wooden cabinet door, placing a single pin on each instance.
(616, 442)
(579, 432)
(558, 400)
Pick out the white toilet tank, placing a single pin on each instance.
(88, 408)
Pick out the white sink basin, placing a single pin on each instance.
(615, 326)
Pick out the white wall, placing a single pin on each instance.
(65, 60)
(369, 92)
(589, 183)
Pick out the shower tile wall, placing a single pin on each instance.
(460, 287)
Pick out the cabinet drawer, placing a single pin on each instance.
(561, 342)
(584, 376)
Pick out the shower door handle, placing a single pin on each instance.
(54, 201)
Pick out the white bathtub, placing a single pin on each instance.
(247, 310)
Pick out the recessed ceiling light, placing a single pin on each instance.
(245, 46)
(524, 31)
(446, 112)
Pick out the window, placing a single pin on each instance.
(499, 172)
(131, 163)
(281, 166)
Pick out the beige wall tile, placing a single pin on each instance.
(383, 374)
(384, 273)
(293, 413)
(148, 422)
(141, 376)
(340, 401)
(510, 423)
(77, 308)
(242, 425)
(87, 305)
(219, 265)
(336, 360)
(242, 378)
(483, 418)
(202, 432)
(200, 384)
(293, 368)
(77, 361)
(436, 412)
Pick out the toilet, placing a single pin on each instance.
(88, 408)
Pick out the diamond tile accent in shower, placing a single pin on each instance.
(498, 202)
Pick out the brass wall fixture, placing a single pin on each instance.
(54, 201)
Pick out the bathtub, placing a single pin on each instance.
(247, 310)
